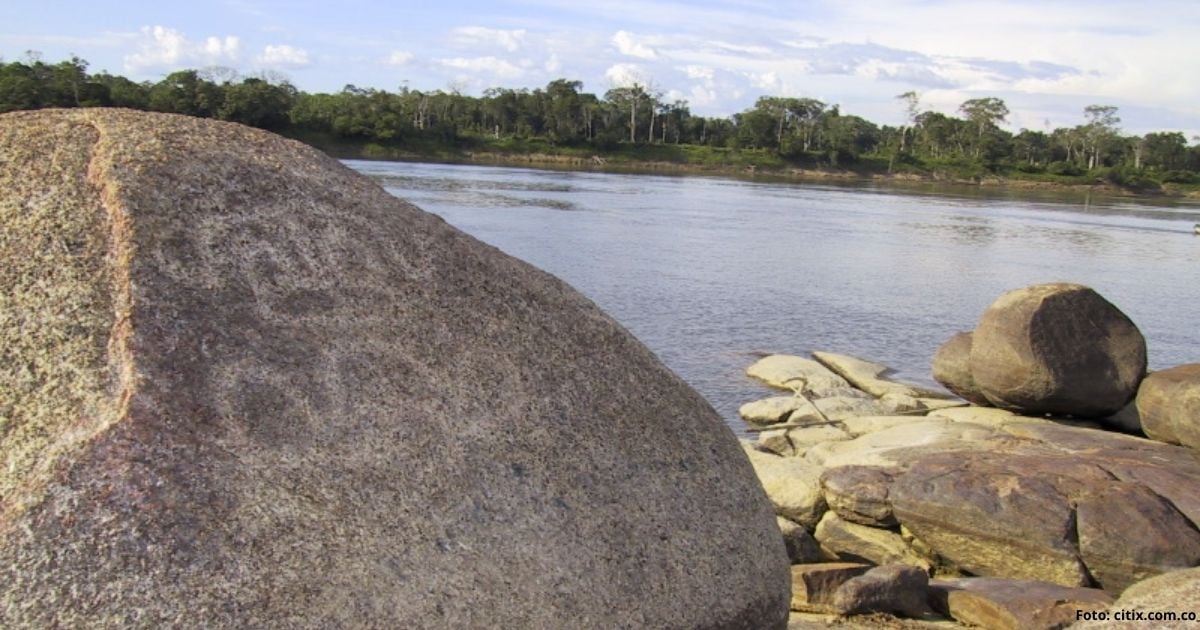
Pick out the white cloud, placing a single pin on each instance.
(766, 81)
(699, 72)
(399, 58)
(625, 75)
(553, 64)
(497, 67)
(627, 43)
(283, 56)
(510, 40)
(163, 47)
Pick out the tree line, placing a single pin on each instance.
(802, 131)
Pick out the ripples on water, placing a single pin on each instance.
(708, 271)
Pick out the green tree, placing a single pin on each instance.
(257, 103)
(1099, 131)
(984, 113)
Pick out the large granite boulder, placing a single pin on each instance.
(1059, 349)
(242, 386)
(1168, 403)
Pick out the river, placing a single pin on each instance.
(708, 271)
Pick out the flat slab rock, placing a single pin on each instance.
(999, 604)
(1043, 514)
(814, 586)
(246, 387)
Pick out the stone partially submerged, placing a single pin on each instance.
(244, 387)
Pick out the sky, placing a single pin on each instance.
(1046, 59)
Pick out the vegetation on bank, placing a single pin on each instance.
(634, 126)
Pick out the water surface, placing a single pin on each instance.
(708, 271)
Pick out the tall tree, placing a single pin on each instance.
(984, 113)
(1101, 128)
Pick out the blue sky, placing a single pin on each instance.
(1046, 59)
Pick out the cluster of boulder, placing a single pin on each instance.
(1035, 501)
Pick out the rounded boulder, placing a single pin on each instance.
(1168, 403)
(245, 387)
(952, 368)
(1057, 348)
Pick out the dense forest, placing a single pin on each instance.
(632, 124)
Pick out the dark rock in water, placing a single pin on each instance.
(1169, 405)
(999, 604)
(895, 588)
(245, 387)
(1059, 349)
(952, 368)
(1128, 533)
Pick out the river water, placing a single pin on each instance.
(709, 271)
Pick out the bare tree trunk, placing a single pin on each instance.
(633, 119)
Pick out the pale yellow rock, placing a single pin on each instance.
(805, 438)
(777, 442)
(795, 373)
(889, 447)
(864, 375)
(793, 486)
(856, 543)
(774, 410)
(863, 425)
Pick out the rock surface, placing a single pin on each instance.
(1174, 592)
(815, 585)
(1168, 403)
(1057, 348)
(793, 486)
(238, 385)
(852, 542)
(952, 368)
(895, 588)
(801, 547)
(998, 604)
(1128, 533)
(860, 494)
(797, 374)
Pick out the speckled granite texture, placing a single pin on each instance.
(242, 386)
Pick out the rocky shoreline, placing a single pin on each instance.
(896, 500)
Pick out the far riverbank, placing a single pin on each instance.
(745, 164)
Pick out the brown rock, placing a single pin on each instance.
(999, 604)
(895, 588)
(1175, 593)
(239, 380)
(997, 514)
(1059, 349)
(860, 494)
(952, 368)
(1169, 405)
(1128, 533)
(801, 546)
(814, 585)
(852, 542)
